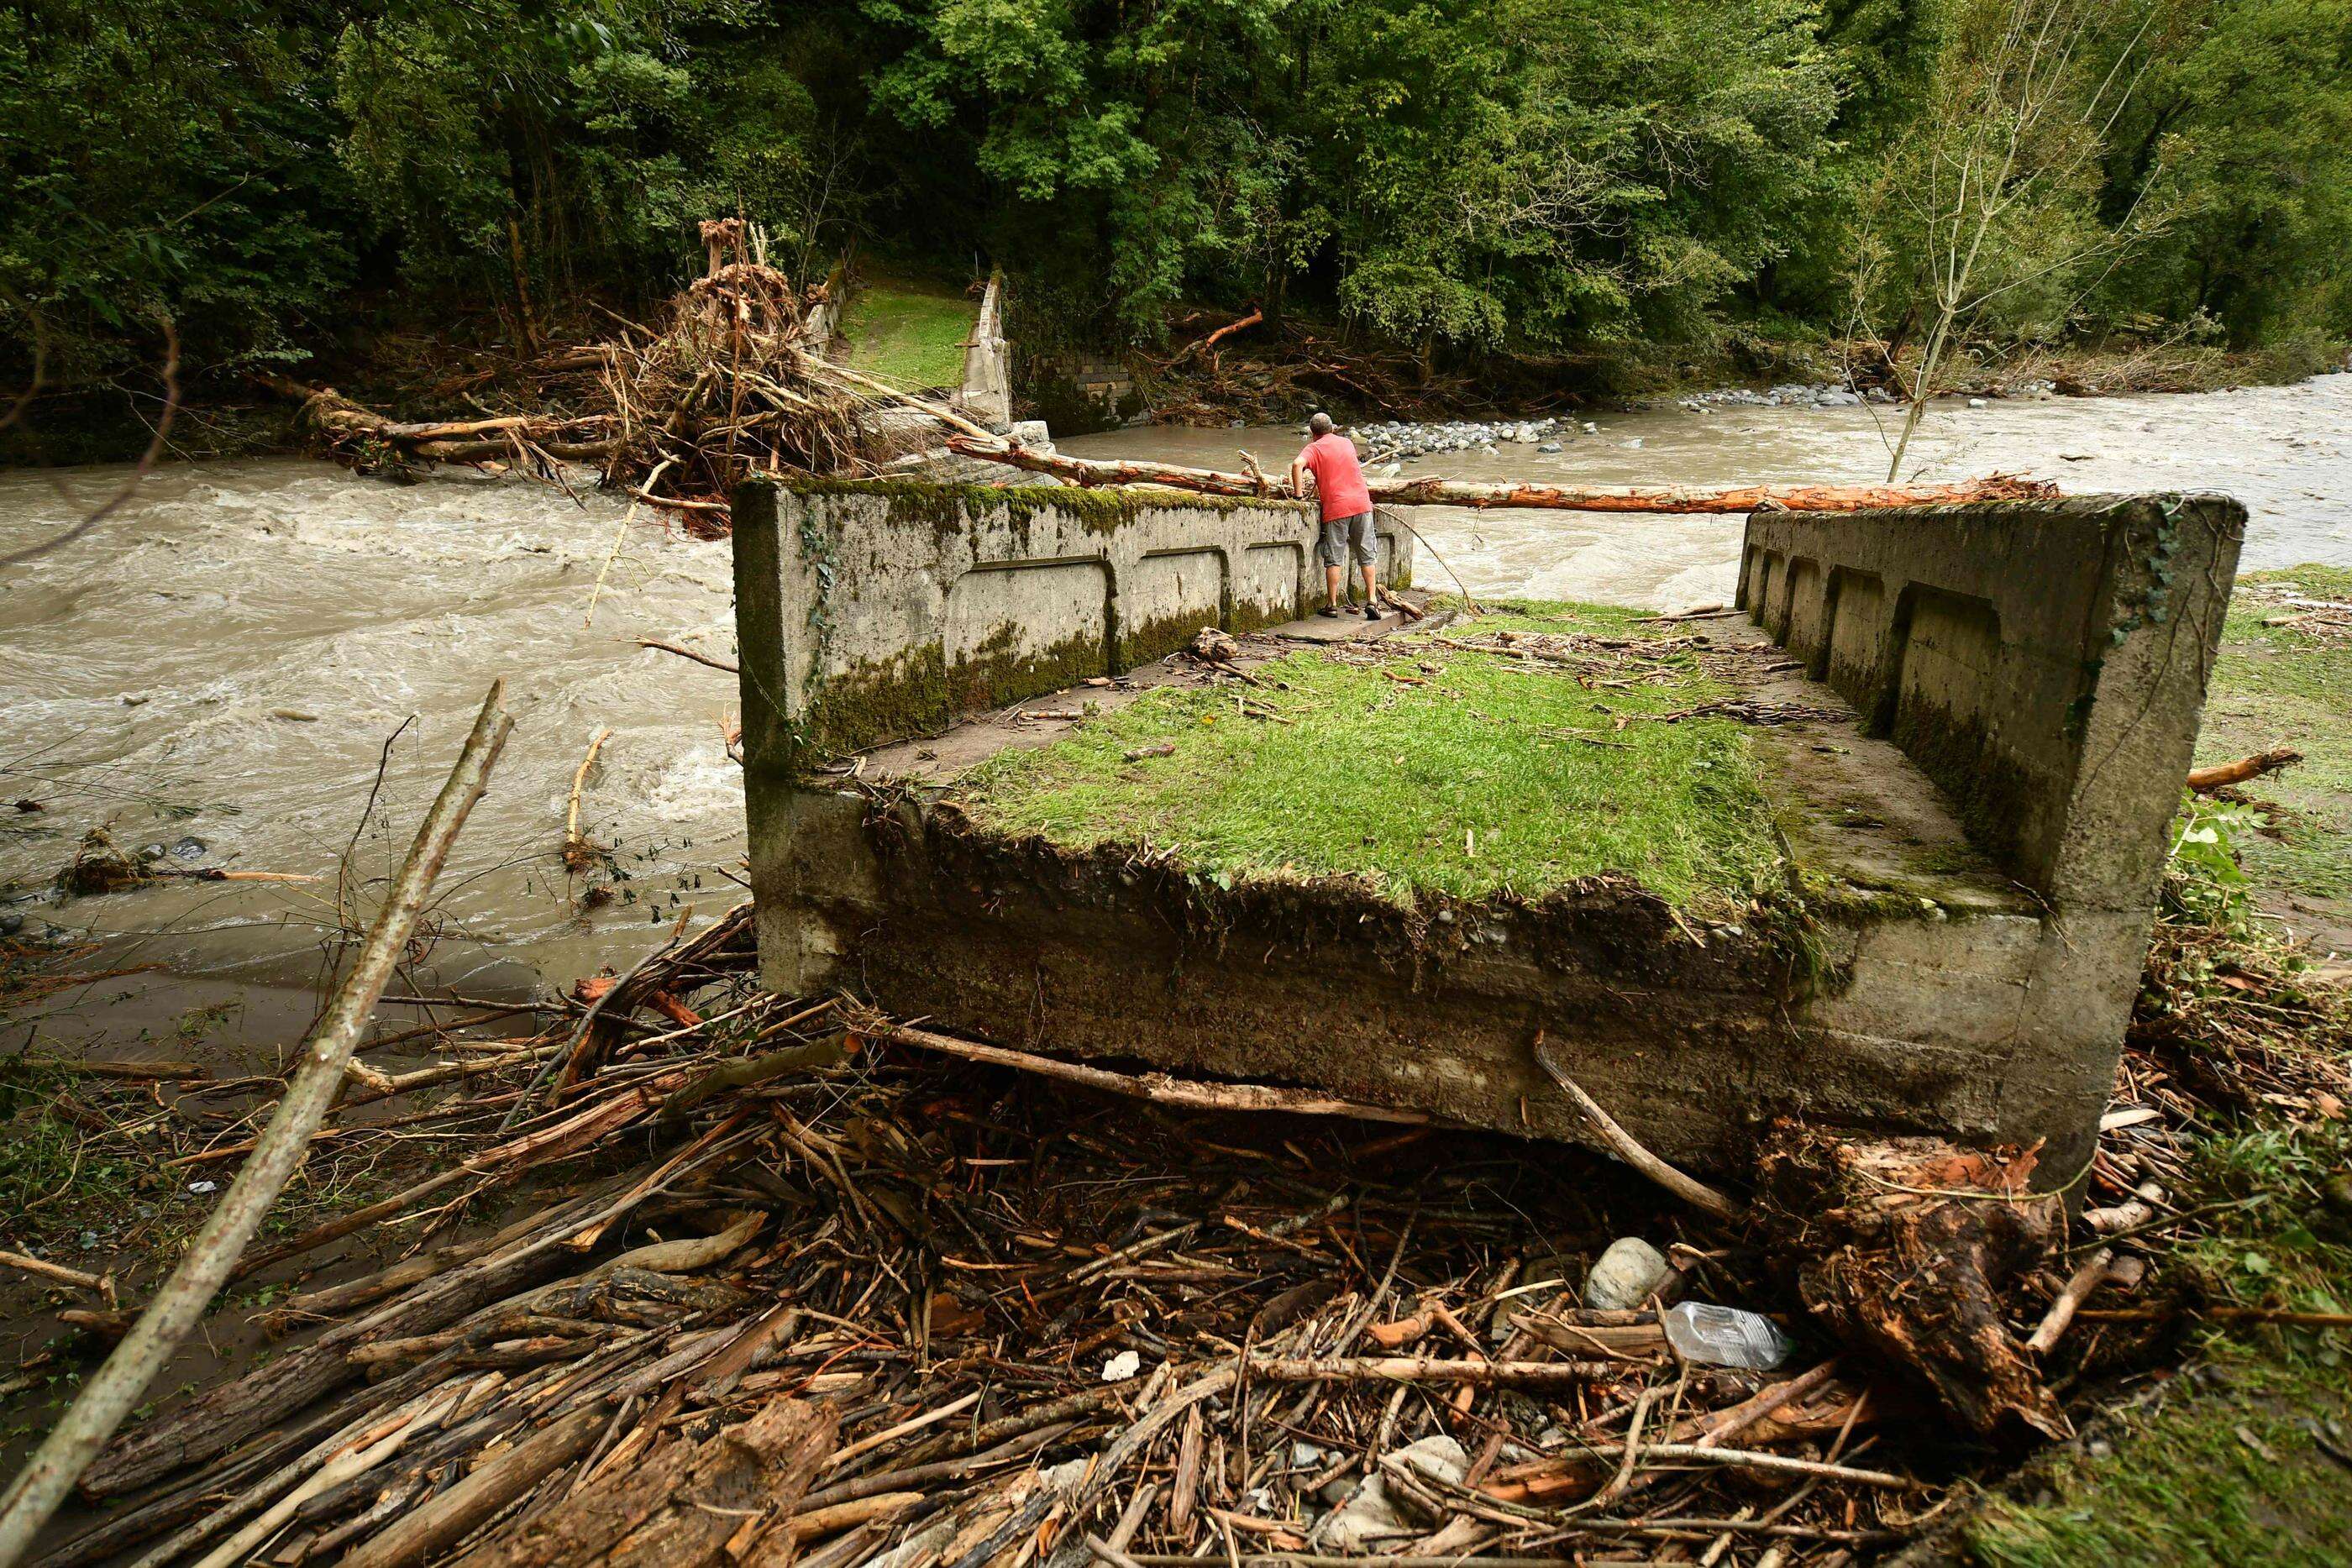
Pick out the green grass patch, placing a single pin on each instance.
(2279, 686)
(1491, 777)
(2228, 1467)
(910, 334)
(2183, 1484)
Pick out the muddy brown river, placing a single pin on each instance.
(219, 668)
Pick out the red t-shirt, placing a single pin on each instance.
(1338, 477)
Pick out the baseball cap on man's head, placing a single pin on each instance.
(1320, 425)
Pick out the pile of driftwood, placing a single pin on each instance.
(841, 1300)
(1247, 366)
(752, 1279)
(673, 414)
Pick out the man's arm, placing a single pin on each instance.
(1299, 470)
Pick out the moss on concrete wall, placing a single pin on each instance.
(890, 699)
(998, 671)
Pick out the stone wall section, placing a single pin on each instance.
(2044, 662)
(875, 611)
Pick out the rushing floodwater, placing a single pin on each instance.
(226, 657)
(2286, 452)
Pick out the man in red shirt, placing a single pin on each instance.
(1347, 511)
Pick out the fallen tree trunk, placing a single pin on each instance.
(1436, 492)
(339, 420)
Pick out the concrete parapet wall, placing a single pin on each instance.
(2044, 662)
(872, 611)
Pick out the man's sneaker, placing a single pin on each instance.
(1330, 609)
(1372, 612)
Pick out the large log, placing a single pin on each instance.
(339, 420)
(1435, 492)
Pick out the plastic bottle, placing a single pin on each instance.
(1726, 1336)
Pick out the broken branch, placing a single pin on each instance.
(1690, 1189)
(2205, 780)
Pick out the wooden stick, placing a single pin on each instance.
(620, 537)
(840, 1516)
(1159, 1087)
(913, 1424)
(2220, 775)
(1131, 1519)
(1431, 1369)
(579, 778)
(58, 1271)
(1435, 492)
(1754, 1459)
(117, 1386)
(1740, 1418)
(690, 654)
(1113, 1555)
(2070, 1299)
(1628, 1148)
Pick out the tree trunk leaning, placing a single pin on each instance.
(1435, 492)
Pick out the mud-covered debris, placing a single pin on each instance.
(1906, 1249)
(100, 866)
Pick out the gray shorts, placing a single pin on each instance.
(1343, 536)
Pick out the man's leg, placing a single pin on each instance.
(1332, 549)
(1367, 551)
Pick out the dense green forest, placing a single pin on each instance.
(1459, 176)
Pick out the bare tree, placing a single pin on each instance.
(1991, 198)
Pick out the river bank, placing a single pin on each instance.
(467, 368)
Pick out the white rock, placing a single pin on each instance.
(1122, 1366)
(1626, 1276)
